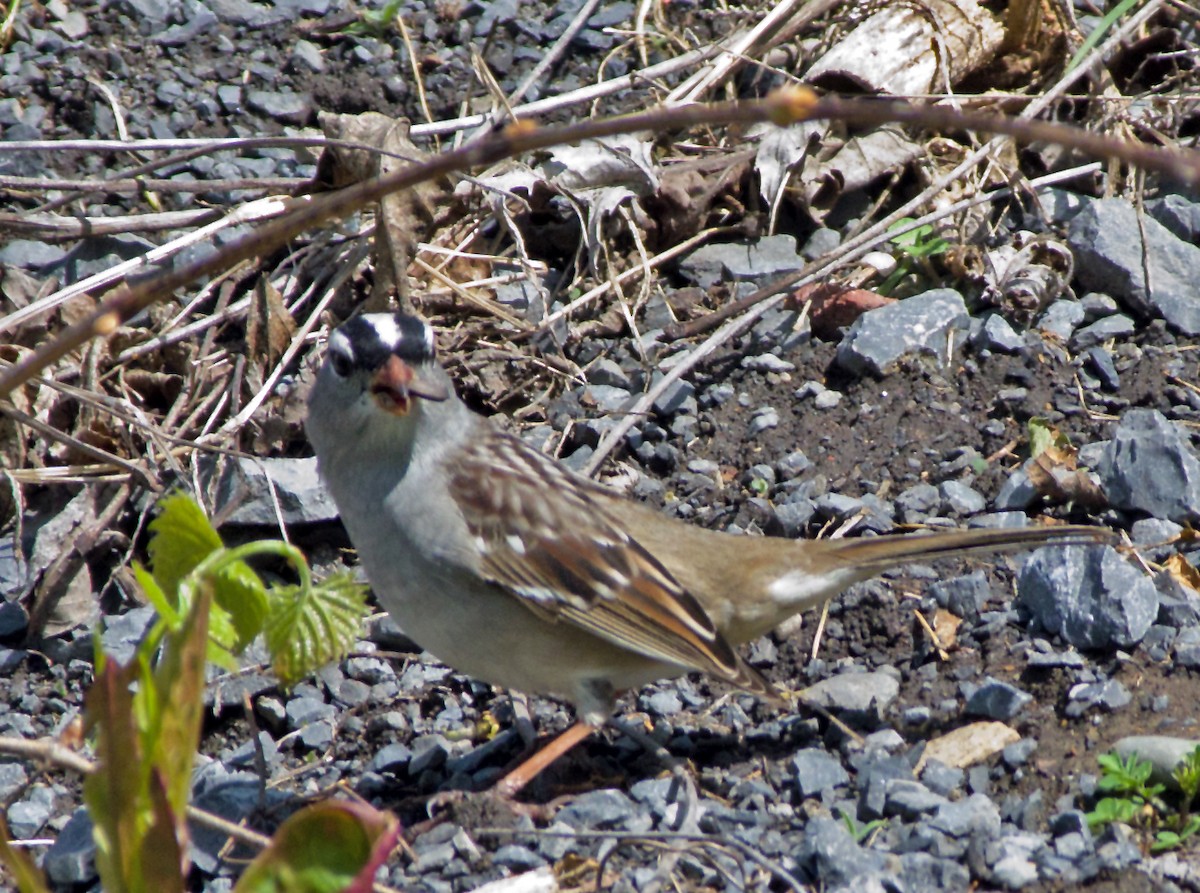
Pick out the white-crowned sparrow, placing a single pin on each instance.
(514, 570)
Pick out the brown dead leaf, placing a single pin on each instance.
(968, 745)
(1055, 474)
(405, 217)
(157, 389)
(945, 628)
(1183, 572)
(833, 306)
(269, 326)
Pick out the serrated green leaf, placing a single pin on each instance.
(242, 599)
(332, 847)
(183, 537)
(304, 631)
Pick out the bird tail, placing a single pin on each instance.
(871, 555)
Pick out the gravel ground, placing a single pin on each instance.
(919, 415)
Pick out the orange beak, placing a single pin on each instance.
(395, 386)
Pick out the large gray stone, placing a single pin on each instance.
(1139, 262)
(1150, 467)
(243, 494)
(880, 338)
(1089, 595)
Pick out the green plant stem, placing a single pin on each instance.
(223, 557)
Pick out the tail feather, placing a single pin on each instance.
(871, 555)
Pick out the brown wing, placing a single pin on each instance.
(546, 535)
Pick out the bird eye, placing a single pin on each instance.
(341, 362)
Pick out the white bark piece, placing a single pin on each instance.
(907, 50)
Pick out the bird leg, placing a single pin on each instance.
(516, 780)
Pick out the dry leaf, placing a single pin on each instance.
(833, 306)
(945, 628)
(269, 326)
(968, 745)
(1182, 571)
(1055, 475)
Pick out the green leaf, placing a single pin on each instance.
(115, 792)
(1187, 774)
(1129, 775)
(304, 631)
(327, 848)
(1041, 438)
(242, 599)
(154, 594)
(183, 537)
(178, 689)
(1113, 809)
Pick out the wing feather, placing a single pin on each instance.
(549, 538)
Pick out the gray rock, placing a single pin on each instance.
(302, 711)
(763, 419)
(742, 261)
(1108, 695)
(910, 799)
(606, 398)
(12, 778)
(862, 693)
(1063, 204)
(1089, 595)
(1110, 256)
(1178, 214)
(827, 399)
(1018, 753)
(975, 815)
(124, 632)
(997, 700)
(767, 362)
(13, 619)
(429, 752)
(821, 242)
(817, 772)
(605, 808)
(71, 859)
(792, 465)
(26, 817)
(1187, 648)
(1108, 327)
(307, 56)
(286, 108)
(1154, 536)
(963, 596)
(1150, 467)
(243, 492)
(996, 334)
(517, 858)
(1061, 319)
(923, 871)
(829, 857)
(961, 499)
(1101, 362)
(246, 753)
(1097, 305)
(917, 502)
(606, 371)
(1011, 860)
(880, 338)
(1017, 493)
(675, 398)
(942, 779)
